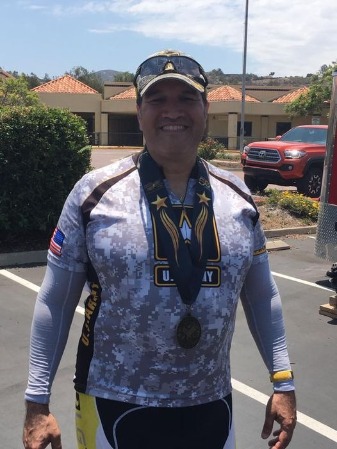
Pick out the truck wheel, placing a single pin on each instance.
(255, 185)
(311, 183)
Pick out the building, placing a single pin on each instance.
(112, 118)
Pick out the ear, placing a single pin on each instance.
(139, 117)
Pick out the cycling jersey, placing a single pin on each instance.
(128, 350)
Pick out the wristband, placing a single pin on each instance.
(281, 376)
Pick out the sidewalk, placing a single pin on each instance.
(40, 257)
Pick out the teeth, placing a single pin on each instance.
(173, 127)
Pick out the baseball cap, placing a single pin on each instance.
(169, 64)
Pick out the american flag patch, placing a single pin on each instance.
(56, 242)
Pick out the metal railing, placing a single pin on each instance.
(118, 139)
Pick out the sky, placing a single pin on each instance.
(287, 37)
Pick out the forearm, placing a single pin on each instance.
(263, 309)
(53, 314)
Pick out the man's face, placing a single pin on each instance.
(173, 117)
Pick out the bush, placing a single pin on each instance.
(209, 148)
(295, 203)
(43, 152)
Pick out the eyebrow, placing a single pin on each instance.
(155, 91)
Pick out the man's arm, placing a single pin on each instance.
(262, 305)
(54, 310)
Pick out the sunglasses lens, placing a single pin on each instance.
(185, 66)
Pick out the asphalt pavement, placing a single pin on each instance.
(301, 279)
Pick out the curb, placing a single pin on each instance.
(227, 164)
(23, 258)
(290, 231)
(40, 257)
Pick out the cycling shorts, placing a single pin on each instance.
(106, 424)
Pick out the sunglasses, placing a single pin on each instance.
(184, 65)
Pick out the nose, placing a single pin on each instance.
(172, 109)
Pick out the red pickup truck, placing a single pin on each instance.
(294, 159)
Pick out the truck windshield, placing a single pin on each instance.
(305, 135)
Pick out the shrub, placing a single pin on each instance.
(226, 155)
(43, 152)
(209, 148)
(295, 203)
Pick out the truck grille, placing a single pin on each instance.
(264, 155)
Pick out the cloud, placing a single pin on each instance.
(288, 37)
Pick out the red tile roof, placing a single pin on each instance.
(222, 93)
(228, 93)
(128, 94)
(291, 96)
(65, 84)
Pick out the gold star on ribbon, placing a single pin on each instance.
(160, 202)
(203, 198)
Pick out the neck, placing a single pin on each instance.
(177, 173)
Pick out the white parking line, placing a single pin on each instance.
(19, 280)
(303, 419)
(30, 285)
(301, 281)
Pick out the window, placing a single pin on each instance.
(248, 126)
(282, 127)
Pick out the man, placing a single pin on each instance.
(167, 244)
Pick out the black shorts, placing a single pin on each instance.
(106, 424)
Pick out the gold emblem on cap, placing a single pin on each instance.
(169, 66)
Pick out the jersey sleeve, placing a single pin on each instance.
(67, 247)
(263, 309)
(54, 310)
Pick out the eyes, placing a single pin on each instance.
(160, 99)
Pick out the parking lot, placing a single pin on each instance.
(301, 278)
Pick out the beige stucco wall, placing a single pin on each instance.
(222, 118)
(119, 106)
(89, 103)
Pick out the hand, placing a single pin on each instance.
(40, 428)
(281, 408)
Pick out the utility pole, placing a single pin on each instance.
(243, 90)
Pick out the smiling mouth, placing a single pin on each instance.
(173, 128)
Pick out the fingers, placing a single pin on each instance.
(267, 428)
(269, 421)
(56, 443)
(281, 408)
(281, 440)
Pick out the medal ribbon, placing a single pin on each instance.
(187, 263)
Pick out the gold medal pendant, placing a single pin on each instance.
(188, 332)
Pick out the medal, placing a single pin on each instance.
(188, 332)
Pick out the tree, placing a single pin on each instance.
(124, 77)
(314, 101)
(15, 92)
(89, 78)
(32, 80)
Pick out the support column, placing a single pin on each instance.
(104, 131)
(232, 130)
(264, 127)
